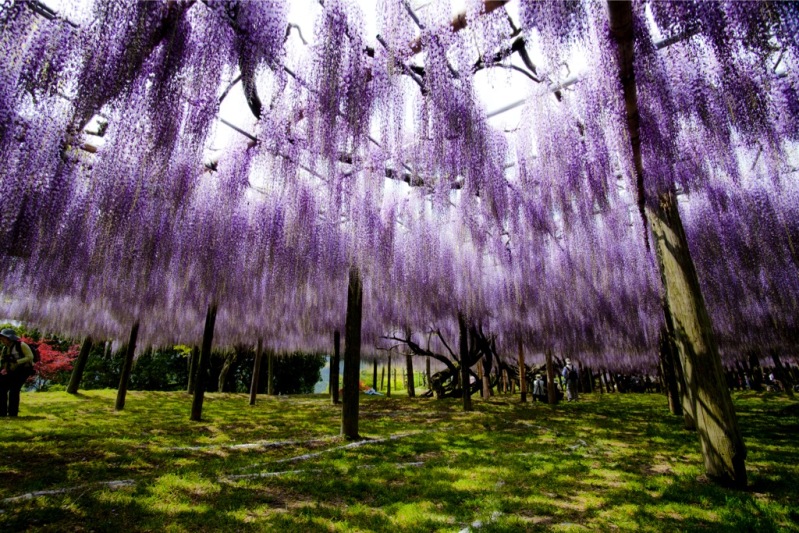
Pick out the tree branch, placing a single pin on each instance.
(418, 350)
(459, 22)
(441, 337)
(299, 32)
(622, 32)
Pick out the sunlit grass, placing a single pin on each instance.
(608, 462)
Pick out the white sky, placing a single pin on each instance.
(496, 87)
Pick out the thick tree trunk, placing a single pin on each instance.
(202, 365)
(409, 372)
(194, 363)
(717, 425)
(80, 366)
(687, 404)
(552, 392)
(256, 370)
(722, 446)
(464, 353)
(127, 367)
(667, 370)
(352, 357)
(335, 363)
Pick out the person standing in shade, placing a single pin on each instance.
(539, 389)
(570, 376)
(16, 365)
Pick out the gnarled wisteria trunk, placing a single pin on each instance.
(352, 356)
(230, 361)
(782, 374)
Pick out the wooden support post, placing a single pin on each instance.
(552, 392)
(480, 377)
(80, 365)
(335, 362)
(409, 372)
(464, 353)
(522, 372)
(382, 377)
(270, 372)
(204, 362)
(256, 370)
(388, 381)
(194, 363)
(374, 374)
(427, 372)
(127, 367)
(352, 356)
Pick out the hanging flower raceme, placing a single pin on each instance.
(340, 97)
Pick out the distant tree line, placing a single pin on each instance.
(167, 368)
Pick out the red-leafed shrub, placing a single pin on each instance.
(52, 361)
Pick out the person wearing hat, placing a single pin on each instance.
(539, 389)
(16, 365)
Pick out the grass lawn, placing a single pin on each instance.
(608, 462)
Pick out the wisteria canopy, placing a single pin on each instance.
(375, 151)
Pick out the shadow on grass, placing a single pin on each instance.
(618, 461)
